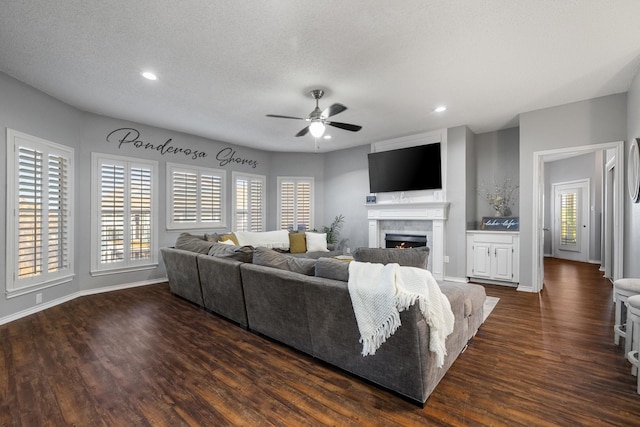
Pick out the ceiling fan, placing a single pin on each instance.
(318, 118)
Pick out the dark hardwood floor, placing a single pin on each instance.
(145, 357)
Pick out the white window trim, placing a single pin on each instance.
(239, 175)
(171, 225)
(297, 179)
(127, 265)
(13, 286)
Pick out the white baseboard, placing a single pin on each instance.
(66, 298)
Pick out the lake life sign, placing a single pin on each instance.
(500, 223)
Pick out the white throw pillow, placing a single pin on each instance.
(267, 239)
(316, 242)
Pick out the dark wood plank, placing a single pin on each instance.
(145, 357)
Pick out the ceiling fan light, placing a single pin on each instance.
(316, 128)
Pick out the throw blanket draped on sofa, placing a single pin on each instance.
(380, 292)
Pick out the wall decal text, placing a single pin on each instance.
(228, 155)
(126, 136)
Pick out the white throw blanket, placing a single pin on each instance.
(380, 292)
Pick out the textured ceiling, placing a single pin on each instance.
(223, 65)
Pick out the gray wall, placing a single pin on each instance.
(593, 121)
(93, 133)
(295, 164)
(587, 166)
(27, 110)
(459, 140)
(632, 210)
(347, 185)
(497, 158)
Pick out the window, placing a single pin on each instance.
(295, 203)
(248, 202)
(124, 219)
(568, 219)
(196, 197)
(39, 206)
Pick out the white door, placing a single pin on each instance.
(571, 220)
(481, 260)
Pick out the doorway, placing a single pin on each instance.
(616, 237)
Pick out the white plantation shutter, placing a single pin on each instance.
(124, 214)
(112, 188)
(295, 203)
(39, 190)
(140, 214)
(196, 197)
(185, 196)
(210, 198)
(58, 214)
(249, 202)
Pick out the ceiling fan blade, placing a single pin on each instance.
(303, 132)
(345, 126)
(333, 110)
(285, 117)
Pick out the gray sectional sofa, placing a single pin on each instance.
(305, 304)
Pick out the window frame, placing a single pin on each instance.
(126, 265)
(235, 176)
(296, 180)
(199, 171)
(14, 286)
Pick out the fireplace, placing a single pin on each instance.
(423, 218)
(404, 240)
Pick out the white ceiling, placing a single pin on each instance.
(224, 64)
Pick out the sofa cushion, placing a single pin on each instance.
(270, 258)
(297, 243)
(330, 268)
(191, 243)
(239, 253)
(267, 239)
(316, 242)
(410, 257)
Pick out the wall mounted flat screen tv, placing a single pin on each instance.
(406, 169)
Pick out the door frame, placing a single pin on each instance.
(537, 258)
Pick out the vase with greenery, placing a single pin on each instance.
(500, 196)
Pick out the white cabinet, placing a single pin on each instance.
(493, 256)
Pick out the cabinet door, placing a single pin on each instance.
(502, 262)
(481, 260)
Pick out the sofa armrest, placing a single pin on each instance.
(182, 271)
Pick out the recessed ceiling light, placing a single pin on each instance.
(327, 137)
(149, 75)
(440, 109)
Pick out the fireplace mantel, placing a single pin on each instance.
(436, 212)
(427, 211)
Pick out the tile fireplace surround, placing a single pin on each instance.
(425, 218)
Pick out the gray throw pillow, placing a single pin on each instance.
(191, 243)
(410, 257)
(213, 237)
(270, 258)
(239, 253)
(330, 268)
